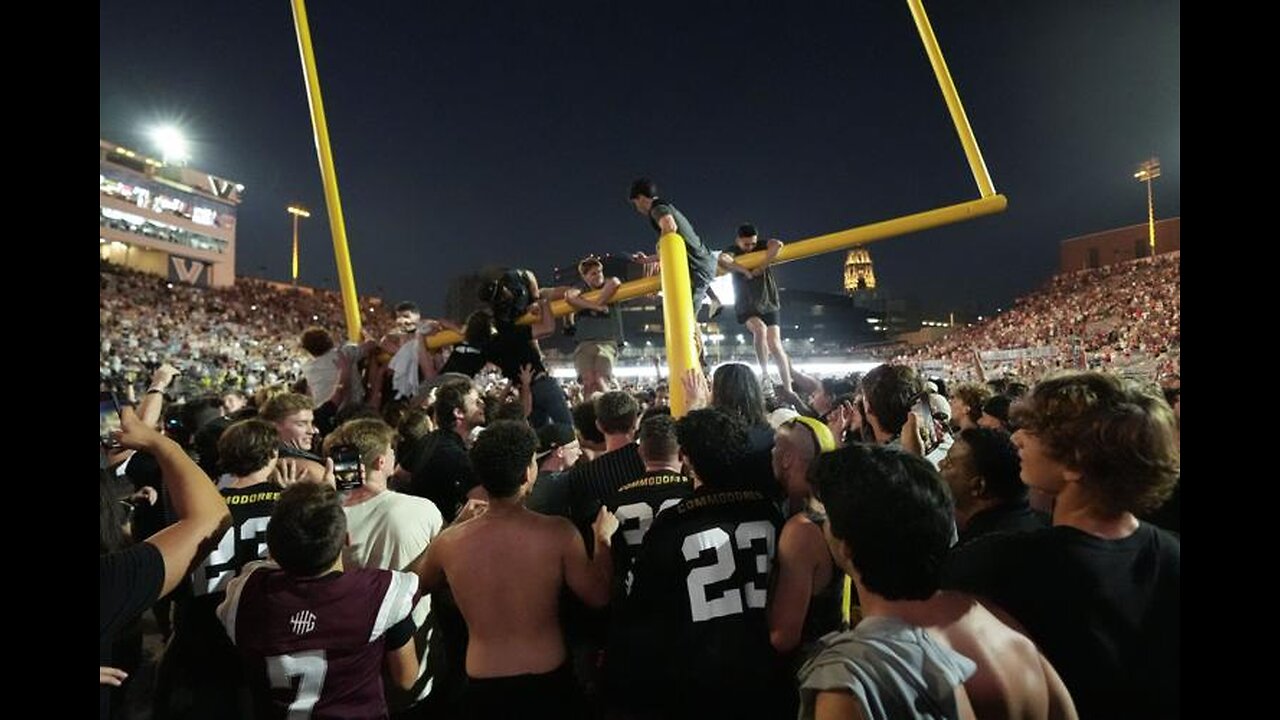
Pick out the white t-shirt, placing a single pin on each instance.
(389, 531)
(322, 374)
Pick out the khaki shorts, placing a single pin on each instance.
(595, 355)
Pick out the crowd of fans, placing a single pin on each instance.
(244, 336)
(442, 549)
(1123, 318)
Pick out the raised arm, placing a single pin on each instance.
(202, 513)
(152, 403)
(526, 389)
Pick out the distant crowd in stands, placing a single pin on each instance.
(243, 337)
(1122, 318)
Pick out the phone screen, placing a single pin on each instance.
(347, 469)
(924, 421)
(108, 416)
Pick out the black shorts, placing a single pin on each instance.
(553, 694)
(770, 319)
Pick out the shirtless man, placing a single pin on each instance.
(963, 661)
(516, 661)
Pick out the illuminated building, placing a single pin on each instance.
(166, 220)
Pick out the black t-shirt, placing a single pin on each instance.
(441, 471)
(288, 451)
(694, 633)
(549, 494)
(592, 325)
(1105, 612)
(1016, 516)
(129, 581)
(200, 665)
(465, 358)
(702, 262)
(592, 483)
(757, 295)
(512, 348)
(636, 504)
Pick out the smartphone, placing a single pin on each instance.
(924, 421)
(348, 471)
(108, 418)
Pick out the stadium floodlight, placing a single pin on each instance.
(172, 144)
(296, 211)
(1147, 171)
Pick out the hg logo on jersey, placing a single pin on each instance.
(303, 622)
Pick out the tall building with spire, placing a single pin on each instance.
(859, 276)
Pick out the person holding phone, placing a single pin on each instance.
(387, 530)
(131, 580)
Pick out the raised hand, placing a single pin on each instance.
(288, 473)
(697, 392)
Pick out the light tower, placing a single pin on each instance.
(296, 211)
(1149, 170)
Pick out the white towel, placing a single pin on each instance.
(404, 368)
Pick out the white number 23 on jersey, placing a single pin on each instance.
(745, 539)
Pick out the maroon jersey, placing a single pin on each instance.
(314, 647)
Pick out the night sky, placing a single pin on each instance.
(477, 133)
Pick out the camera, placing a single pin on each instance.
(348, 471)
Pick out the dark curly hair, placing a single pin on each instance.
(973, 395)
(715, 442)
(317, 341)
(995, 458)
(501, 456)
